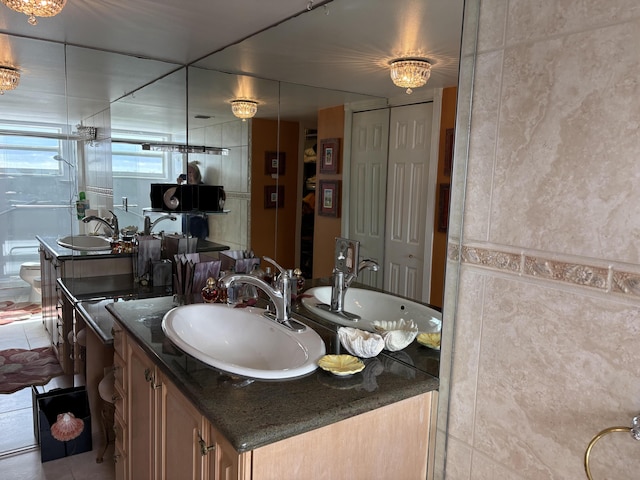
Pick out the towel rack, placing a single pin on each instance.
(634, 429)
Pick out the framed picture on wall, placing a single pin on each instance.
(448, 151)
(443, 207)
(329, 198)
(330, 155)
(274, 196)
(274, 163)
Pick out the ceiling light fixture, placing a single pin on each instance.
(36, 8)
(244, 108)
(9, 79)
(410, 72)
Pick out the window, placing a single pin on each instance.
(30, 149)
(129, 160)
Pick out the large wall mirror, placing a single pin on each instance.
(297, 71)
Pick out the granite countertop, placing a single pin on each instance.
(91, 295)
(63, 253)
(263, 412)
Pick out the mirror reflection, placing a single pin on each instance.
(329, 95)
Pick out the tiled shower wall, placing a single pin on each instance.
(547, 342)
(97, 174)
(232, 172)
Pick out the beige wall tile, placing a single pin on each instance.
(548, 377)
(464, 375)
(458, 460)
(540, 19)
(486, 102)
(565, 172)
(492, 25)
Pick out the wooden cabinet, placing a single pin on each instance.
(159, 433)
(166, 437)
(58, 309)
(57, 319)
(143, 402)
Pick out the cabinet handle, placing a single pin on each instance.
(148, 376)
(115, 397)
(204, 448)
(116, 457)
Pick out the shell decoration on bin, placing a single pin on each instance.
(360, 343)
(67, 427)
(397, 334)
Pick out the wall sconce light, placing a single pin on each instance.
(244, 108)
(9, 79)
(410, 72)
(36, 8)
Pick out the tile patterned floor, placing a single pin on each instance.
(19, 454)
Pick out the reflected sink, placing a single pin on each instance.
(85, 243)
(372, 306)
(241, 341)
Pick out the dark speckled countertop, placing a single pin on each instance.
(63, 253)
(264, 412)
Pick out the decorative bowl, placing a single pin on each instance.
(360, 343)
(431, 340)
(397, 334)
(341, 365)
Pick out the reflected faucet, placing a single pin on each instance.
(345, 271)
(148, 224)
(113, 224)
(279, 295)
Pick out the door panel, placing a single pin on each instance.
(369, 150)
(407, 199)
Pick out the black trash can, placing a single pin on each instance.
(64, 422)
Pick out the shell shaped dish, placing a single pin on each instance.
(341, 365)
(360, 343)
(431, 340)
(396, 334)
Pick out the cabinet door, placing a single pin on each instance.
(142, 403)
(180, 426)
(226, 463)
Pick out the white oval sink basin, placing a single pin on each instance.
(85, 243)
(241, 341)
(372, 306)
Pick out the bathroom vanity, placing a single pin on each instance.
(177, 418)
(60, 263)
(57, 312)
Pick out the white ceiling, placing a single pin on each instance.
(344, 46)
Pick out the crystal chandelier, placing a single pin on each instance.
(244, 108)
(410, 72)
(9, 79)
(36, 8)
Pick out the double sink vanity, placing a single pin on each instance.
(177, 417)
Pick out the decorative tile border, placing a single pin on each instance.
(605, 279)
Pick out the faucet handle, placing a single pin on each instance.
(273, 262)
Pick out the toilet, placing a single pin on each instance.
(30, 273)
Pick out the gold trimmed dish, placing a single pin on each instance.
(431, 340)
(341, 365)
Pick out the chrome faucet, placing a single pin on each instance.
(113, 224)
(341, 281)
(148, 224)
(345, 271)
(279, 295)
